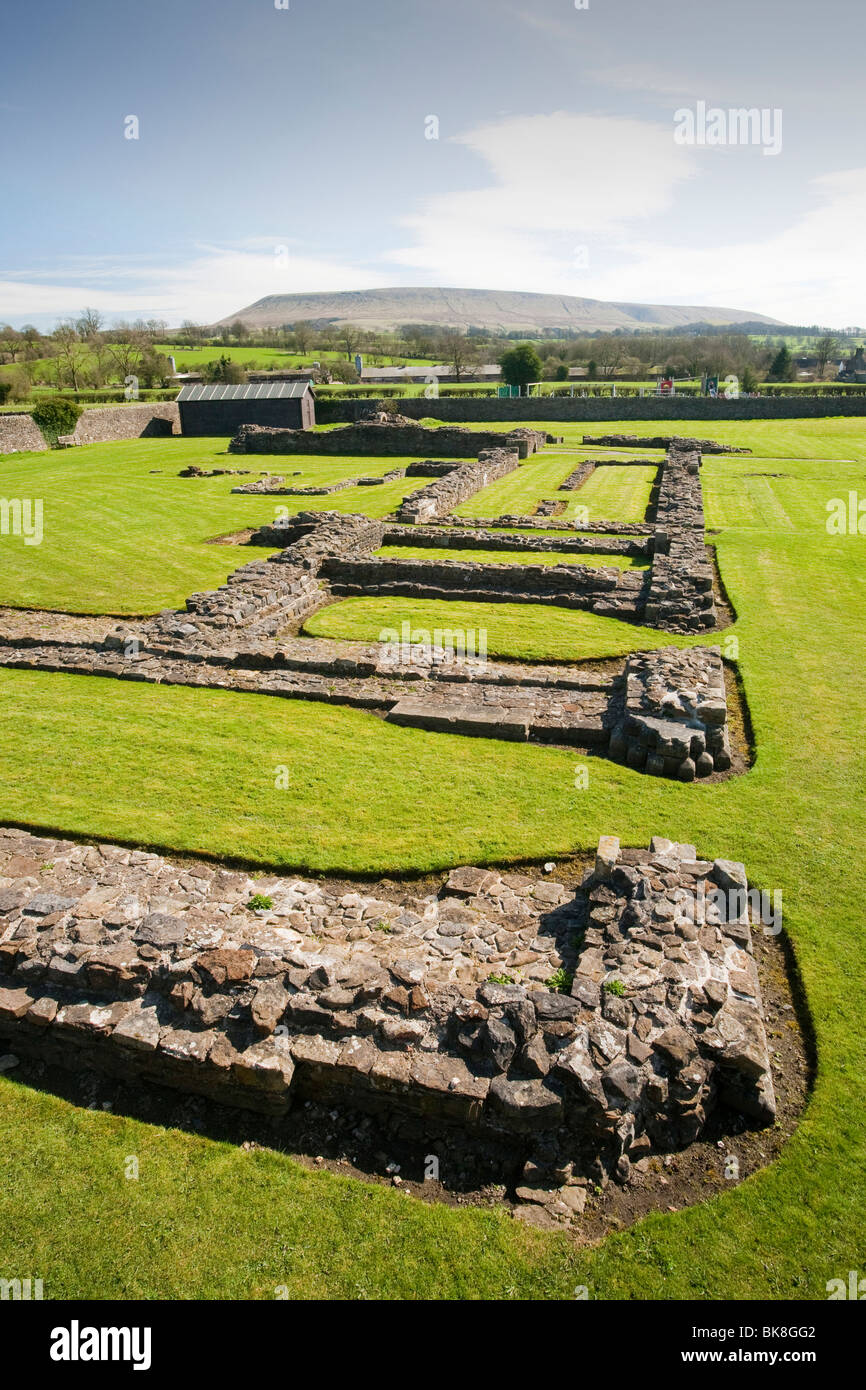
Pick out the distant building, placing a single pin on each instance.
(855, 368)
(210, 410)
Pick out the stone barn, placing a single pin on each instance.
(223, 409)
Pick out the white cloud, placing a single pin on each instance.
(215, 282)
(802, 274)
(562, 181)
(557, 182)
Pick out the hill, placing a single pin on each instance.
(499, 311)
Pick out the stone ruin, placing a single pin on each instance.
(380, 434)
(439, 498)
(663, 441)
(609, 1021)
(604, 1022)
(664, 713)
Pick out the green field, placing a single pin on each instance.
(192, 770)
(124, 534)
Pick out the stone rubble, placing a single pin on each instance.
(458, 1003)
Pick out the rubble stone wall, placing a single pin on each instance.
(608, 591)
(680, 596)
(440, 498)
(382, 437)
(127, 422)
(488, 539)
(122, 961)
(19, 434)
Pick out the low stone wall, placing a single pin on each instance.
(577, 479)
(266, 595)
(20, 434)
(675, 720)
(127, 422)
(662, 441)
(505, 522)
(604, 408)
(275, 486)
(680, 595)
(607, 591)
(383, 436)
(121, 961)
(440, 498)
(429, 468)
(488, 539)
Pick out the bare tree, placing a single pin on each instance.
(303, 335)
(11, 342)
(460, 352)
(826, 348)
(89, 324)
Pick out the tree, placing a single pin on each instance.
(610, 352)
(520, 365)
(748, 381)
(826, 348)
(460, 354)
(11, 341)
(782, 365)
(303, 334)
(343, 371)
(126, 350)
(349, 338)
(72, 355)
(224, 370)
(89, 324)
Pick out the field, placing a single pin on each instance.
(192, 771)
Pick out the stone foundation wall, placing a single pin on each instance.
(275, 486)
(440, 498)
(577, 479)
(612, 592)
(680, 595)
(505, 522)
(676, 712)
(382, 436)
(488, 539)
(662, 441)
(122, 961)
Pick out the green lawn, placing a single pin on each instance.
(519, 631)
(611, 493)
(194, 770)
(124, 534)
(517, 492)
(511, 557)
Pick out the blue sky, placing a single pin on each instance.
(287, 150)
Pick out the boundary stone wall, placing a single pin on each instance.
(127, 422)
(20, 434)
(594, 408)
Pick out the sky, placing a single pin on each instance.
(182, 160)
